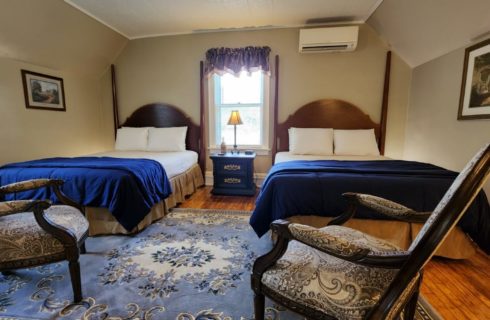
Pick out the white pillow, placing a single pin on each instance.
(318, 141)
(131, 138)
(355, 142)
(166, 139)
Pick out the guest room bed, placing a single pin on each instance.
(125, 190)
(306, 183)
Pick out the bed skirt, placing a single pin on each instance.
(456, 246)
(102, 222)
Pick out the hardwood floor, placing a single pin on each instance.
(203, 198)
(457, 289)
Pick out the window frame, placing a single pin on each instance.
(214, 131)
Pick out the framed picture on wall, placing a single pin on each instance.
(43, 92)
(474, 102)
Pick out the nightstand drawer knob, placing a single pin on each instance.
(232, 180)
(232, 167)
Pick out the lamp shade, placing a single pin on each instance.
(235, 118)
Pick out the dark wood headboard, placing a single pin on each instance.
(160, 115)
(331, 113)
(326, 113)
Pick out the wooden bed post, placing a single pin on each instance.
(276, 109)
(384, 106)
(202, 146)
(114, 100)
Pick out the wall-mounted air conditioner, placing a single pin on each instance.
(331, 39)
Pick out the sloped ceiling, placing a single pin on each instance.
(422, 30)
(418, 30)
(144, 18)
(56, 35)
(52, 34)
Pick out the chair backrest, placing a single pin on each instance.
(445, 216)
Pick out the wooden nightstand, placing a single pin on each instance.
(233, 174)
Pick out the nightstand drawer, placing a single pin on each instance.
(231, 181)
(228, 167)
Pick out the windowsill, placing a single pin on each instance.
(260, 151)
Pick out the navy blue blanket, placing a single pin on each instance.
(127, 187)
(316, 187)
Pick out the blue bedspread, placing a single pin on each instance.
(315, 188)
(127, 187)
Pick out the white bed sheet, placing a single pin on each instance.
(174, 163)
(287, 156)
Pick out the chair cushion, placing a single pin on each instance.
(330, 285)
(24, 241)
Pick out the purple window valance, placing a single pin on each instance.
(235, 60)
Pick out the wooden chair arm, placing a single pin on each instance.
(264, 262)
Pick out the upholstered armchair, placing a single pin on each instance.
(340, 273)
(35, 232)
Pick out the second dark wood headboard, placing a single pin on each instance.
(332, 113)
(161, 115)
(326, 113)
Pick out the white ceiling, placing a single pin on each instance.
(417, 30)
(422, 30)
(147, 18)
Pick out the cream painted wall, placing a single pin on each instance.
(54, 38)
(29, 133)
(166, 69)
(433, 132)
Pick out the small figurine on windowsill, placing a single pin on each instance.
(223, 146)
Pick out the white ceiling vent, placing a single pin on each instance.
(333, 39)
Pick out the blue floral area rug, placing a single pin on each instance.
(192, 265)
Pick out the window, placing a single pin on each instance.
(249, 94)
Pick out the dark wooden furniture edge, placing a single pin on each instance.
(276, 109)
(202, 153)
(115, 110)
(384, 105)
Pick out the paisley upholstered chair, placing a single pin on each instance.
(35, 232)
(339, 273)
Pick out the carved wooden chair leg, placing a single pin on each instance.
(76, 281)
(83, 249)
(259, 306)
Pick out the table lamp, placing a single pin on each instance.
(234, 120)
